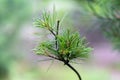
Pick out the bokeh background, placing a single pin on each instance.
(18, 38)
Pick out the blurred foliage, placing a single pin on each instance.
(13, 13)
(11, 18)
(3, 71)
(11, 10)
(108, 16)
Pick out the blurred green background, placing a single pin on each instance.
(18, 39)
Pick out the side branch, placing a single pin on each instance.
(52, 32)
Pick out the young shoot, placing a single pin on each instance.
(66, 46)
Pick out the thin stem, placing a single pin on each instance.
(53, 57)
(52, 32)
(45, 60)
(74, 70)
(58, 23)
(57, 32)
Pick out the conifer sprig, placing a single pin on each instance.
(65, 46)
